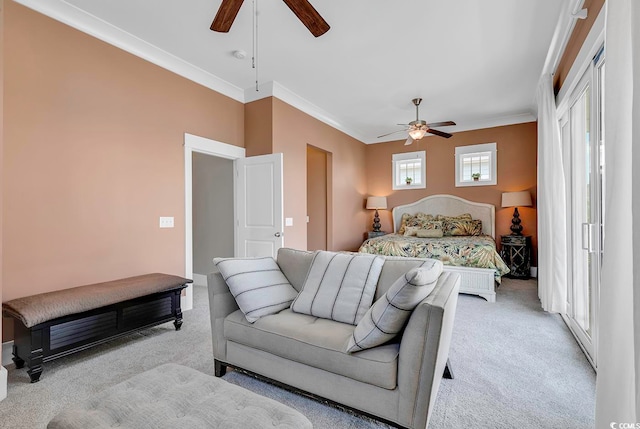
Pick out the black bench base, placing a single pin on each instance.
(69, 334)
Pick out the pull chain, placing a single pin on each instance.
(254, 59)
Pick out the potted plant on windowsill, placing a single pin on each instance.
(475, 177)
(408, 180)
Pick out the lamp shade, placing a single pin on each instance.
(516, 199)
(376, 203)
(417, 133)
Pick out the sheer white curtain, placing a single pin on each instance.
(552, 212)
(618, 383)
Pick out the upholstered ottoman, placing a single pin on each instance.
(174, 396)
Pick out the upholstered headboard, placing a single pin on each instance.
(449, 205)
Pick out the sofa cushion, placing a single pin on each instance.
(257, 284)
(388, 315)
(394, 267)
(339, 286)
(295, 264)
(316, 342)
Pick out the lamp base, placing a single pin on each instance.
(376, 222)
(516, 228)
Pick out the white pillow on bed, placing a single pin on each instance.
(429, 233)
(432, 228)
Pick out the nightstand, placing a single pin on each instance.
(373, 234)
(516, 253)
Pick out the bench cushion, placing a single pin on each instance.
(177, 397)
(315, 342)
(36, 309)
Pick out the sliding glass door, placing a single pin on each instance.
(582, 131)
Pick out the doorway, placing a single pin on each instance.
(582, 135)
(317, 199)
(212, 212)
(195, 144)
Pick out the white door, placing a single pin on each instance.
(582, 134)
(259, 205)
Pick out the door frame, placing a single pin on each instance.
(193, 143)
(590, 78)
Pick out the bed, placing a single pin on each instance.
(474, 257)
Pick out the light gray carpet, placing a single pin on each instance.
(515, 366)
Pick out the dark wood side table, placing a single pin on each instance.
(373, 234)
(516, 253)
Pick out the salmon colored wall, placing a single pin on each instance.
(316, 199)
(578, 36)
(293, 130)
(93, 155)
(517, 171)
(258, 127)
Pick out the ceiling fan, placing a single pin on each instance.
(301, 8)
(418, 128)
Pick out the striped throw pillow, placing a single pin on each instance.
(339, 286)
(388, 315)
(257, 284)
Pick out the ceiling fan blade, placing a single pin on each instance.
(439, 133)
(388, 134)
(226, 15)
(309, 16)
(441, 124)
(409, 141)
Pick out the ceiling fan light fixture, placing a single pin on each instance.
(417, 133)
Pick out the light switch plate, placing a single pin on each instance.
(166, 221)
(288, 221)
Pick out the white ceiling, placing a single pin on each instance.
(476, 62)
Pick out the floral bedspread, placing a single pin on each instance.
(468, 251)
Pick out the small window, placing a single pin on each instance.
(409, 170)
(476, 165)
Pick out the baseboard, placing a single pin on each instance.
(3, 383)
(199, 279)
(7, 350)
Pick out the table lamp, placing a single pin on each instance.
(376, 203)
(516, 199)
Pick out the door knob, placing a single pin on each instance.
(278, 234)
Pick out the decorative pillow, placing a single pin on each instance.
(388, 315)
(339, 286)
(429, 233)
(408, 220)
(430, 225)
(411, 231)
(257, 284)
(463, 216)
(462, 227)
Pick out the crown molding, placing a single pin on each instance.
(500, 121)
(76, 18)
(102, 30)
(80, 20)
(274, 89)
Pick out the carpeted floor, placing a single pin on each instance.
(514, 366)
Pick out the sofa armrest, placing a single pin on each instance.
(221, 304)
(424, 350)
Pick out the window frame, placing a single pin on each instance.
(397, 159)
(463, 152)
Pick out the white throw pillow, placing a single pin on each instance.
(386, 318)
(339, 286)
(257, 284)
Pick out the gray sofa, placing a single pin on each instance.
(396, 382)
